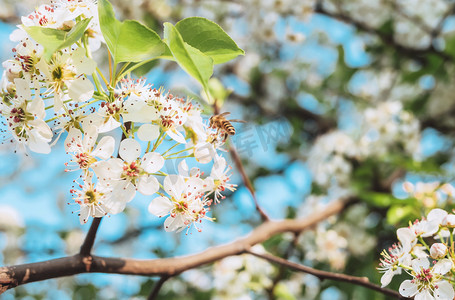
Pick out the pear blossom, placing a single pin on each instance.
(130, 172)
(390, 262)
(25, 118)
(23, 64)
(220, 178)
(428, 282)
(92, 200)
(65, 72)
(185, 206)
(84, 147)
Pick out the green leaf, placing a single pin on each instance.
(218, 91)
(398, 213)
(128, 41)
(54, 39)
(190, 59)
(209, 38)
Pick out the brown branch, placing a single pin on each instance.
(156, 289)
(247, 182)
(87, 245)
(361, 281)
(13, 276)
(241, 169)
(282, 269)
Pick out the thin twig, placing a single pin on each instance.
(246, 181)
(156, 289)
(87, 246)
(361, 281)
(282, 269)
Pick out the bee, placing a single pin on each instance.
(220, 123)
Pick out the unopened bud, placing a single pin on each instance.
(438, 250)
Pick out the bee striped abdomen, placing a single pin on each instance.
(228, 127)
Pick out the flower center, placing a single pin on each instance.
(92, 197)
(84, 160)
(131, 171)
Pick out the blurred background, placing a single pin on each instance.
(341, 98)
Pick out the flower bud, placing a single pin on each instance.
(438, 250)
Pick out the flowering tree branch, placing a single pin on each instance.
(361, 281)
(13, 276)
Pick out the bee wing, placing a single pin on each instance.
(237, 121)
(224, 114)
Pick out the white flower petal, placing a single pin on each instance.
(83, 64)
(407, 238)
(183, 169)
(36, 107)
(160, 206)
(444, 291)
(442, 266)
(420, 263)
(148, 185)
(437, 214)
(84, 214)
(408, 289)
(129, 150)
(122, 193)
(424, 295)
(387, 278)
(74, 136)
(176, 136)
(105, 147)
(148, 132)
(90, 136)
(80, 89)
(152, 162)
(174, 223)
(174, 185)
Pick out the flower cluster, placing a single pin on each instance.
(43, 99)
(386, 128)
(430, 265)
